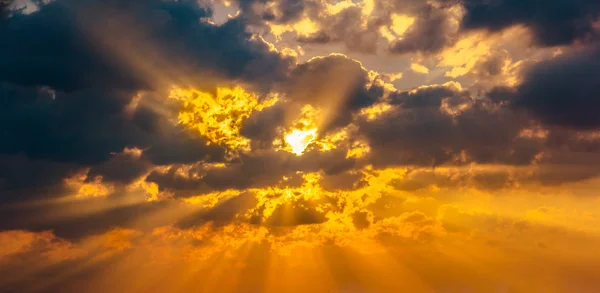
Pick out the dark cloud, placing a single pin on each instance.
(262, 126)
(22, 178)
(47, 279)
(361, 220)
(122, 168)
(259, 170)
(125, 216)
(225, 212)
(423, 179)
(268, 169)
(289, 10)
(68, 45)
(69, 95)
(48, 48)
(84, 217)
(500, 94)
(570, 156)
(5, 10)
(554, 22)
(83, 127)
(563, 91)
(493, 65)
(311, 83)
(432, 31)
(182, 185)
(176, 145)
(319, 37)
(348, 180)
(295, 214)
(567, 168)
(573, 141)
(277, 11)
(346, 27)
(429, 97)
(91, 128)
(441, 124)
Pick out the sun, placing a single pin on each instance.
(303, 132)
(298, 140)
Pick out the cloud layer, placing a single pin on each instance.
(250, 146)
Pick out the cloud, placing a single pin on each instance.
(311, 82)
(123, 168)
(345, 26)
(557, 22)
(562, 91)
(434, 29)
(139, 139)
(441, 124)
(76, 100)
(400, 27)
(24, 179)
(74, 45)
(418, 68)
(428, 179)
(252, 171)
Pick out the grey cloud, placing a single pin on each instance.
(432, 31)
(563, 91)
(419, 131)
(554, 22)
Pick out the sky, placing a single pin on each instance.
(249, 146)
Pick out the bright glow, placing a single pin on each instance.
(298, 140)
(94, 188)
(418, 68)
(371, 113)
(303, 27)
(339, 7)
(304, 132)
(401, 24)
(358, 150)
(219, 117)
